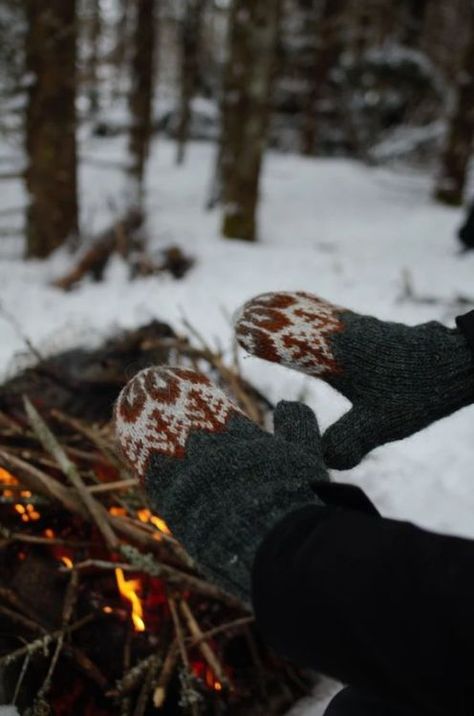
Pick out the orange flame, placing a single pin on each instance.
(68, 562)
(7, 478)
(127, 589)
(28, 513)
(145, 515)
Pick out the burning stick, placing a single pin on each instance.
(203, 645)
(51, 444)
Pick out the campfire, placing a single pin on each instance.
(101, 609)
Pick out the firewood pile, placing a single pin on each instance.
(101, 610)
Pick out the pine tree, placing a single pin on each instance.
(248, 76)
(50, 132)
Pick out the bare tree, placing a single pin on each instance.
(190, 49)
(249, 72)
(142, 88)
(50, 135)
(455, 159)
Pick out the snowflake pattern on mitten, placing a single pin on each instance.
(157, 410)
(291, 329)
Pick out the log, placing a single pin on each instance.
(116, 238)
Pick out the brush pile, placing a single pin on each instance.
(101, 610)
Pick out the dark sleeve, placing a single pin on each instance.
(376, 603)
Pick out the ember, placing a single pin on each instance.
(90, 571)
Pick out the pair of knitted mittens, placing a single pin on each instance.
(218, 480)
(221, 482)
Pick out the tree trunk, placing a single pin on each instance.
(326, 47)
(245, 111)
(141, 93)
(94, 30)
(120, 52)
(455, 160)
(190, 40)
(50, 135)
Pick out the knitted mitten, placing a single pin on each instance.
(398, 378)
(218, 480)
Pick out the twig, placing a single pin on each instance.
(52, 446)
(17, 327)
(159, 694)
(146, 563)
(112, 486)
(147, 686)
(44, 641)
(203, 646)
(92, 435)
(39, 481)
(20, 619)
(189, 694)
(69, 603)
(229, 626)
(21, 676)
(132, 678)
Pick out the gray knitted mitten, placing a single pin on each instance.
(218, 480)
(398, 378)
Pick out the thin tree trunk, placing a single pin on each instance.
(455, 160)
(326, 50)
(50, 135)
(245, 111)
(190, 37)
(141, 93)
(120, 53)
(94, 30)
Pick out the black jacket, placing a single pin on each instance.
(376, 603)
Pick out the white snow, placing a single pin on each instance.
(332, 227)
(9, 711)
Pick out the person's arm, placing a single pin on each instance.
(375, 603)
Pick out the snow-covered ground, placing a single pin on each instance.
(349, 233)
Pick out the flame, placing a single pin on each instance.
(7, 478)
(127, 589)
(27, 513)
(68, 562)
(107, 610)
(117, 511)
(217, 686)
(49, 533)
(145, 515)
